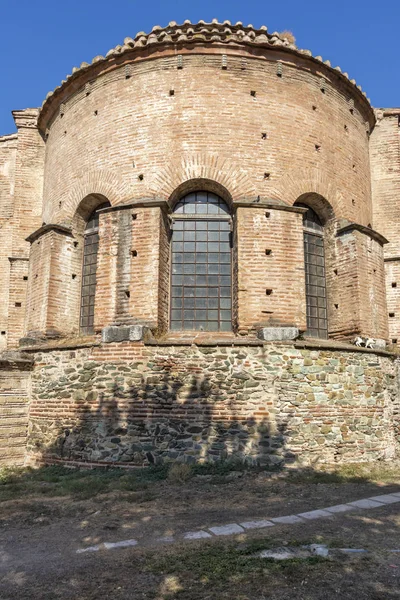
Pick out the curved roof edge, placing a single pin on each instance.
(202, 32)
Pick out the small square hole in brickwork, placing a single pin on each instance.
(267, 215)
(264, 135)
(353, 202)
(394, 340)
(134, 252)
(323, 90)
(335, 271)
(346, 128)
(134, 216)
(65, 132)
(354, 167)
(267, 175)
(18, 304)
(268, 291)
(318, 147)
(76, 244)
(25, 278)
(141, 177)
(268, 252)
(336, 305)
(394, 284)
(314, 107)
(253, 93)
(3, 333)
(351, 111)
(95, 112)
(127, 294)
(172, 92)
(73, 275)
(391, 315)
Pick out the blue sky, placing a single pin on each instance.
(41, 41)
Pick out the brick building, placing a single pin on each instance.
(195, 227)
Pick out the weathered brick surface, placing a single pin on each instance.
(279, 274)
(385, 168)
(14, 404)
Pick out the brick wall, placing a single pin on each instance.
(270, 287)
(385, 169)
(211, 128)
(14, 404)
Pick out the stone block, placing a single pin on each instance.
(136, 333)
(230, 529)
(115, 333)
(278, 334)
(366, 503)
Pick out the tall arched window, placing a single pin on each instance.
(90, 250)
(314, 257)
(201, 285)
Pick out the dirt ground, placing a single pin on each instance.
(40, 533)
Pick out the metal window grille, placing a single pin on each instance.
(90, 251)
(314, 258)
(201, 280)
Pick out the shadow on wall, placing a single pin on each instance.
(164, 416)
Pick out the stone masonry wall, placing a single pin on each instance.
(263, 404)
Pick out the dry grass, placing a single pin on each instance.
(180, 473)
(288, 35)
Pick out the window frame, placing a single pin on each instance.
(225, 217)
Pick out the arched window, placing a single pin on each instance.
(314, 257)
(90, 250)
(201, 285)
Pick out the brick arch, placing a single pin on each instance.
(297, 184)
(207, 167)
(104, 184)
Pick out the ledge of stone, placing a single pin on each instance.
(122, 333)
(139, 203)
(267, 203)
(49, 227)
(15, 361)
(346, 226)
(278, 334)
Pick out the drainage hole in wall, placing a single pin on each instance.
(268, 292)
(391, 315)
(394, 284)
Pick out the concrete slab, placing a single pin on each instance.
(196, 535)
(256, 524)
(287, 520)
(88, 549)
(230, 529)
(366, 503)
(122, 544)
(339, 508)
(386, 498)
(315, 514)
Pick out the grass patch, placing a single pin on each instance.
(219, 563)
(349, 473)
(79, 484)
